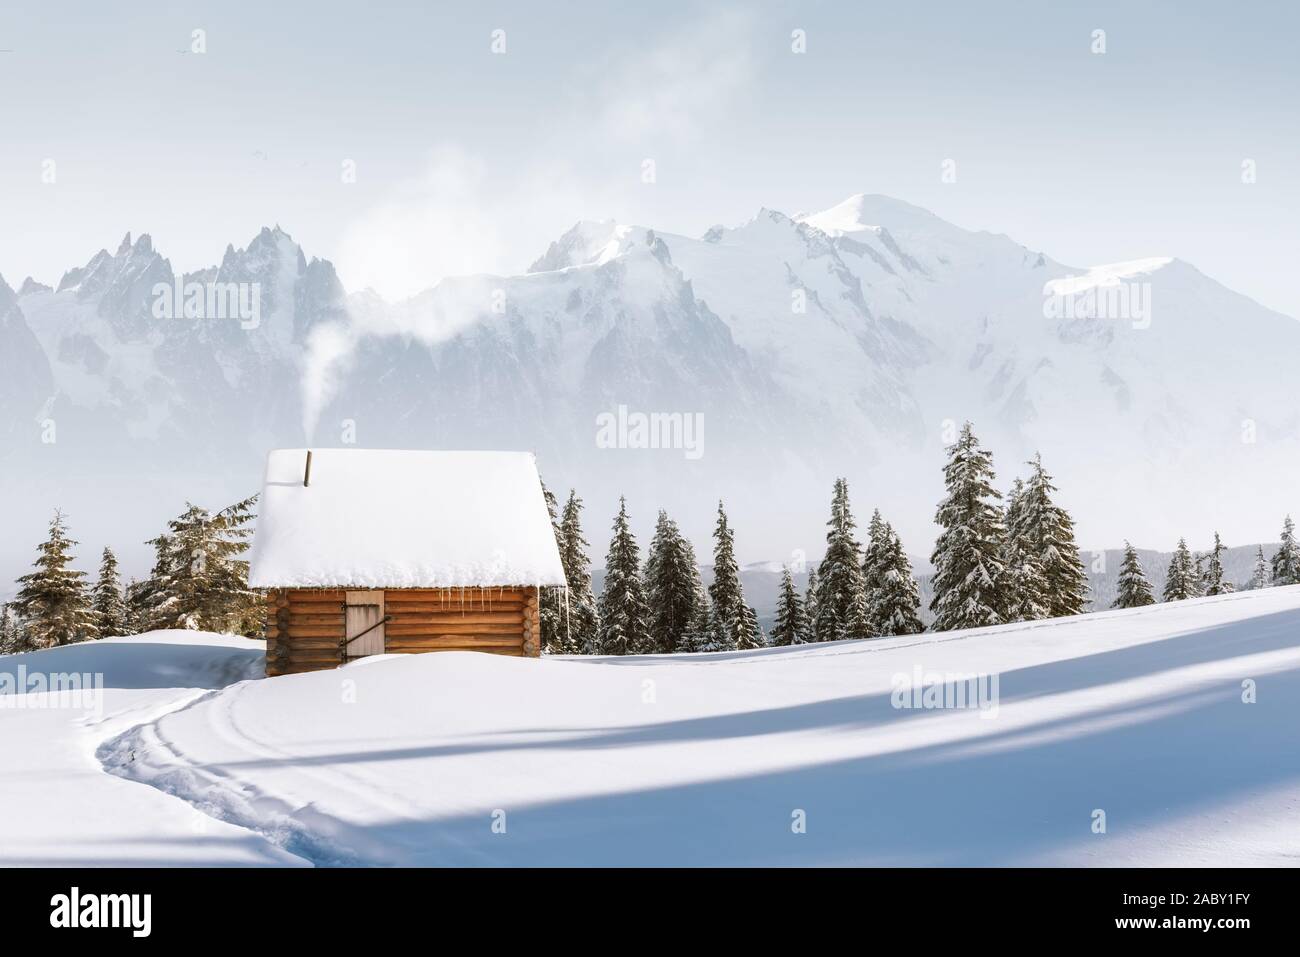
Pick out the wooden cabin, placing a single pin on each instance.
(375, 551)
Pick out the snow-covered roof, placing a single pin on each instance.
(381, 518)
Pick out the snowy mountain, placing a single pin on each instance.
(25, 379)
(792, 349)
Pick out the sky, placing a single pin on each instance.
(469, 159)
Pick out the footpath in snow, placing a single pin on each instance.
(1179, 723)
(57, 804)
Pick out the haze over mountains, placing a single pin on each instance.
(847, 342)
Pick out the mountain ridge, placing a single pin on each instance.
(807, 351)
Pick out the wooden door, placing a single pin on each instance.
(365, 623)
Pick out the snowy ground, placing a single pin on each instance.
(57, 806)
(684, 760)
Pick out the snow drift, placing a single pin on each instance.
(1173, 724)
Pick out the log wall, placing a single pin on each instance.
(305, 628)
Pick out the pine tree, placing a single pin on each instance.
(13, 638)
(582, 621)
(756, 636)
(150, 605)
(1262, 577)
(1048, 533)
(107, 601)
(791, 626)
(810, 605)
(894, 609)
(874, 561)
(550, 608)
(672, 580)
(717, 637)
(1024, 585)
(1013, 517)
(8, 633)
(1134, 588)
(1181, 581)
(624, 615)
(53, 600)
(1198, 575)
(134, 616)
(1286, 562)
(233, 606)
(735, 625)
(701, 631)
(842, 610)
(207, 582)
(1213, 582)
(967, 558)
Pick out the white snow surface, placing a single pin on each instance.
(690, 760)
(1110, 274)
(383, 518)
(58, 807)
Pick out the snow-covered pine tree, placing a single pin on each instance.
(133, 608)
(1198, 574)
(624, 615)
(701, 631)
(1213, 582)
(151, 604)
(810, 606)
(969, 572)
(874, 561)
(13, 639)
(717, 638)
(1181, 582)
(8, 633)
(53, 600)
(1013, 513)
(757, 638)
(1048, 533)
(672, 581)
(208, 582)
(735, 625)
(1261, 577)
(791, 627)
(550, 605)
(238, 608)
(189, 536)
(1286, 561)
(1024, 586)
(894, 610)
(1134, 589)
(583, 620)
(106, 599)
(842, 610)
